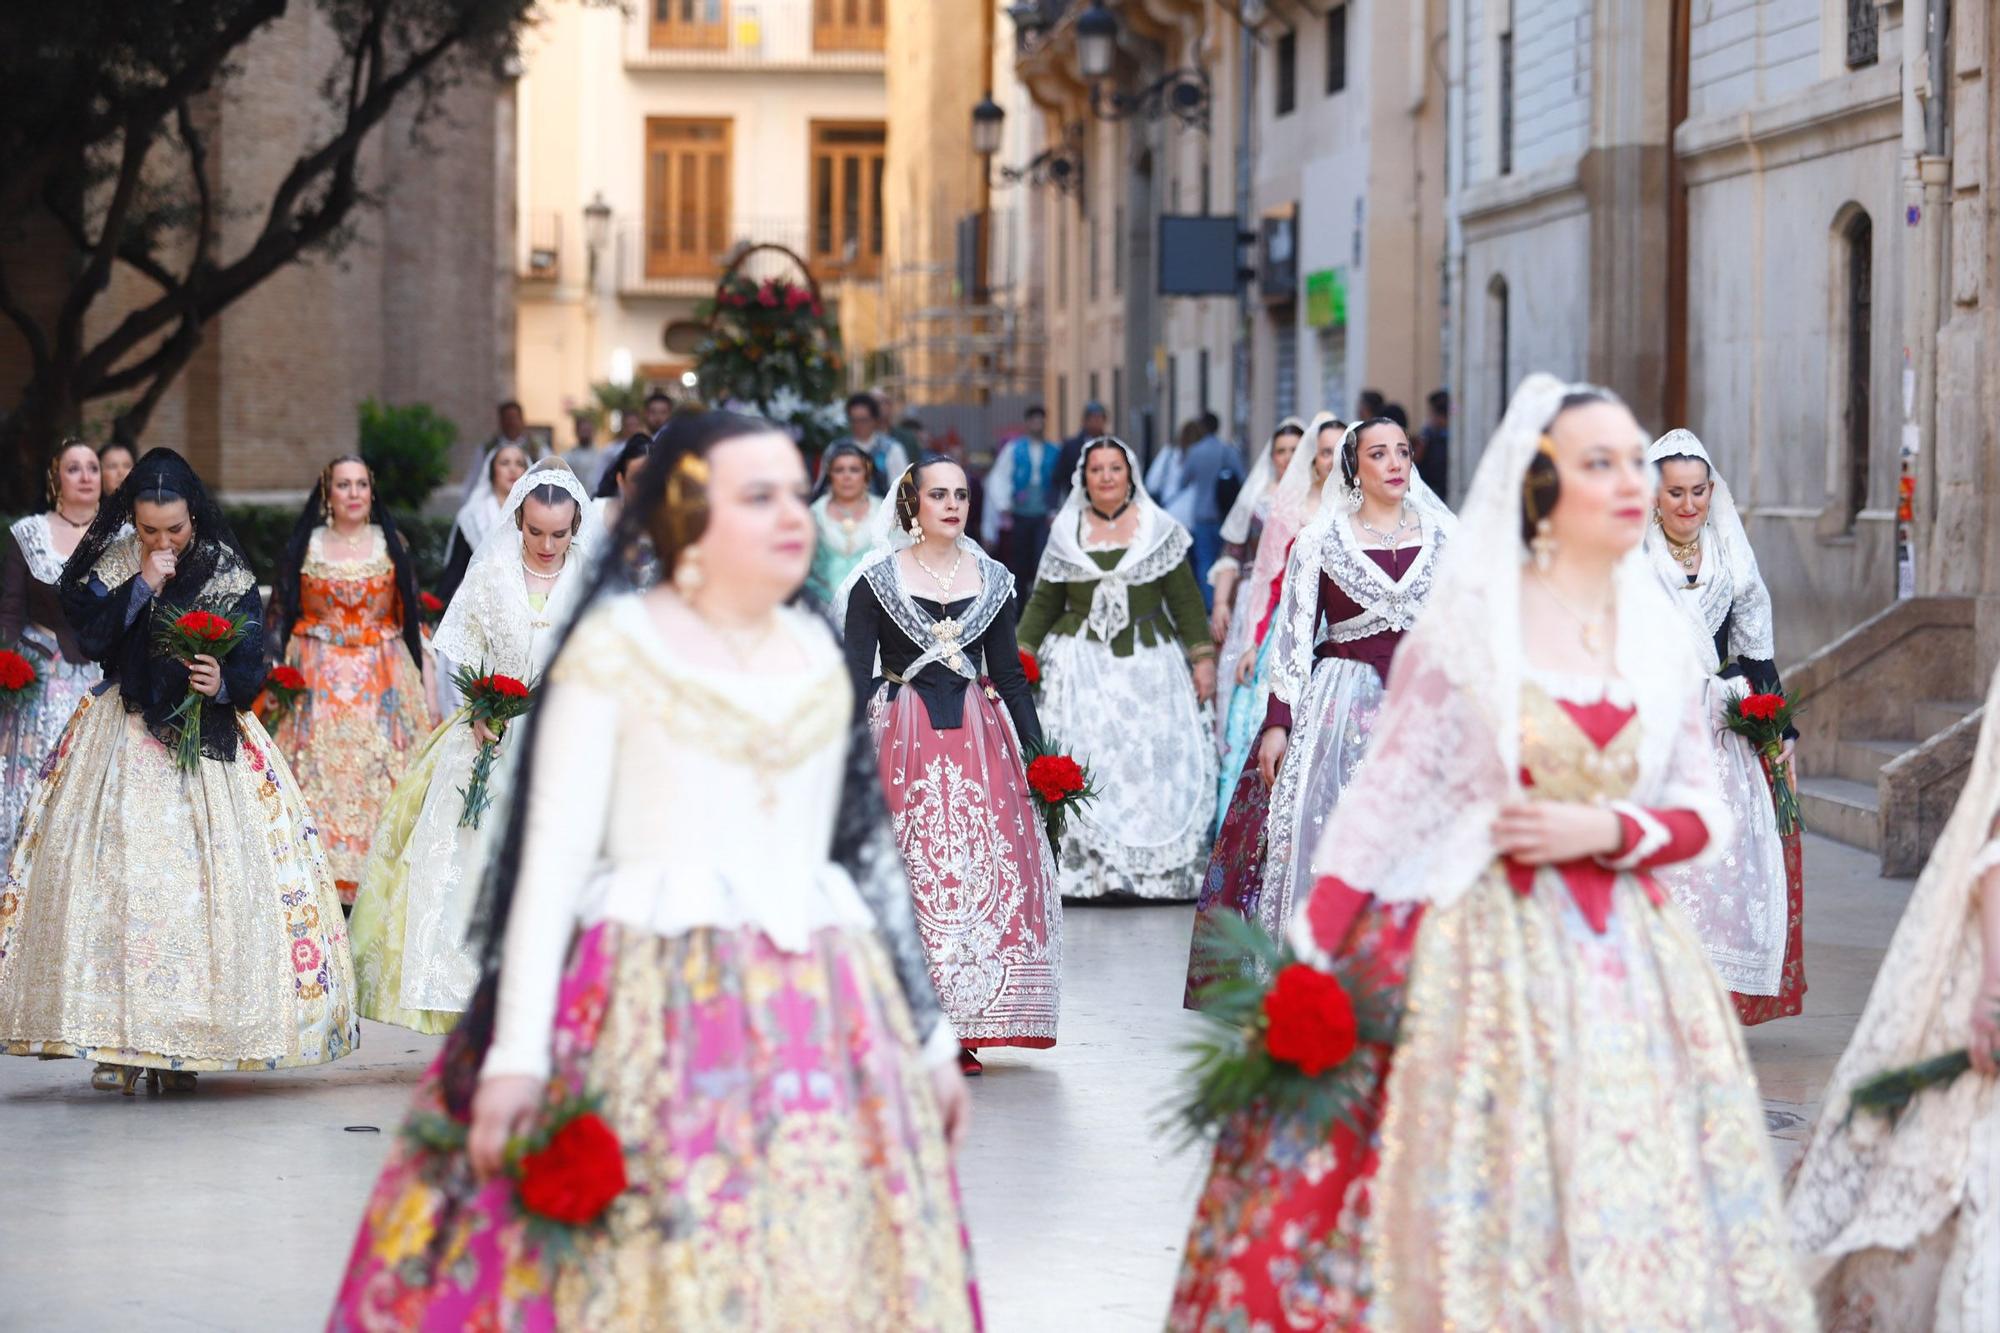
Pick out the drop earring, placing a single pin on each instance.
(1354, 499)
(687, 571)
(1543, 546)
(916, 531)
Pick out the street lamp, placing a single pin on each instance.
(987, 120)
(1096, 41)
(596, 229)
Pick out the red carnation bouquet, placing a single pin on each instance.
(495, 700)
(17, 676)
(1032, 669)
(1059, 785)
(566, 1174)
(187, 636)
(1286, 1038)
(431, 607)
(1763, 719)
(284, 687)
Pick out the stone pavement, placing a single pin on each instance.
(233, 1208)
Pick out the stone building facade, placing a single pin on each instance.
(417, 307)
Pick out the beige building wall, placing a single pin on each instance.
(593, 80)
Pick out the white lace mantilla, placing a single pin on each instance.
(941, 640)
(1110, 601)
(38, 547)
(1388, 604)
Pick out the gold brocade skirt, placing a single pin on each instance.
(1573, 1137)
(168, 920)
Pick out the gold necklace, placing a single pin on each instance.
(1687, 554)
(945, 582)
(1588, 631)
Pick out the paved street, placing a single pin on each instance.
(233, 1209)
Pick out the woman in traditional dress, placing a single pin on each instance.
(424, 868)
(344, 614)
(1117, 621)
(1566, 1133)
(154, 919)
(1749, 905)
(841, 508)
(1359, 575)
(480, 514)
(701, 919)
(926, 613)
(1899, 1222)
(32, 624)
(1233, 621)
(114, 464)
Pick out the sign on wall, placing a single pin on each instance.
(1326, 299)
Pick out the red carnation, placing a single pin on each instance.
(504, 685)
(1031, 668)
(205, 625)
(286, 678)
(17, 673)
(575, 1178)
(1311, 1020)
(1055, 776)
(430, 603)
(1762, 707)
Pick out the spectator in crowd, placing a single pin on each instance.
(659, 407)
(1096, 423)
(885, 453)
(1183, 481)
(1434, 444)
(1020, 496)
(1399, 414)
(587, 458)
(513, 431)
(1370, 404)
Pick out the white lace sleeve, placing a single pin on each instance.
(1293, 624)
(1689, 781)
(576, 735)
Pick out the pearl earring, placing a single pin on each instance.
(687, 572)
(1544, 546)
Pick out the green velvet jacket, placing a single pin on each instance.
(1168, 608)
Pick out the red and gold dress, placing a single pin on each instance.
(351, 734)
(1567, 1136)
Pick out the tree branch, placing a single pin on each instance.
(31, 332)
(130, 250)
(197, 150)
(97, 270)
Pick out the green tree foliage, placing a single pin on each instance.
(409, 451)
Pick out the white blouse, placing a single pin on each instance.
(677, 797)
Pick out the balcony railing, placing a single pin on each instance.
(660, 272)
(542, 246)
(754, 34)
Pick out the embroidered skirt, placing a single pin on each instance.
(31, 726)
(981, 874)
(786, 1161)
(1235, 876)
(168, 920)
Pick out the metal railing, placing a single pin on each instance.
(736, 34)
(542, 245)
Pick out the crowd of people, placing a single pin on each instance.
(754, 876)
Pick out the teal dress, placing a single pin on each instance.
(837, 549)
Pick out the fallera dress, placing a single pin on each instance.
(685, 946)
(32, 624)
(351, 735)
(424, 869)
(164, 920)
(932, 679)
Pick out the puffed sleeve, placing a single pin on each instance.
(1044, 608)
(1687, 819)
(575, 738)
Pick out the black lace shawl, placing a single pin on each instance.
(211, 575)
(863, 842)
(285, 587)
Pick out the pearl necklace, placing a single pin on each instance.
(534, 573)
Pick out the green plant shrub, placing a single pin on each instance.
(409, 450)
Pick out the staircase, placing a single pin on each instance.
(1887, 729)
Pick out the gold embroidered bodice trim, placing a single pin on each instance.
(1565, 764)
(319, 565)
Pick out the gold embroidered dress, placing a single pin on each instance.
(350, 736)
(166, 920)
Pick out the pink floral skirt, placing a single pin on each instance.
(786, 1160)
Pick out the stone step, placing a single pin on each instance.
(1930, 716)
(1860, 761)
(1842, 809)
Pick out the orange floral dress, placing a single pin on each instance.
(363, 714)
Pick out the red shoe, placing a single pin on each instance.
(968, 1064)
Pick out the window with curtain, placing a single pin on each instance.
(687, 196)
(847, 166)
(849, 25)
